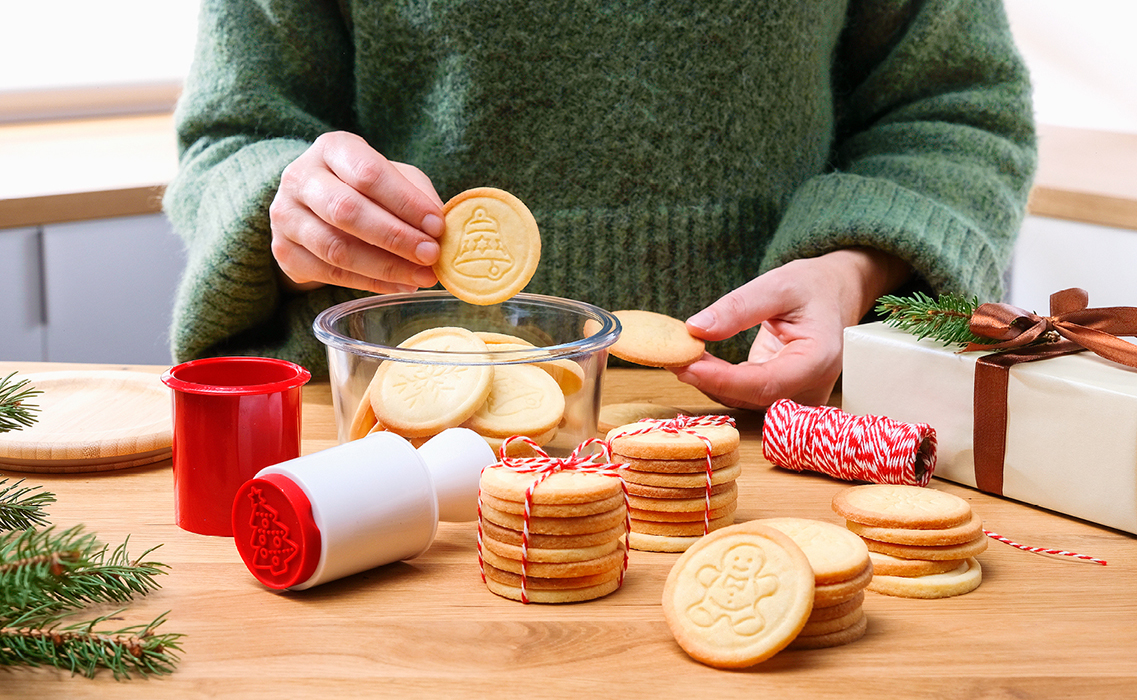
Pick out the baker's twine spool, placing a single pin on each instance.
(545, 466)
(684, 424)
(852, 448)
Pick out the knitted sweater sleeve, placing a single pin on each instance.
(256, 97)
(935, 148)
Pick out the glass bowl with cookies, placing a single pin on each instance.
(419, 363)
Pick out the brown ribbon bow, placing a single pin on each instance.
(1081, 328)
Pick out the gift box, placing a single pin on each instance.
(1071, 420)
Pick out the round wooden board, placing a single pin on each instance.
(96, 420)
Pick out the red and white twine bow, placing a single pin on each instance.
(545, 466)
(684, 424)
(854, 448)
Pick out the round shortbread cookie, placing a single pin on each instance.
(538, 554)
(490, 247)
(553, 510)
(935, 553)
(680, 466)
(520, 448)
(951, 535)
(886, 565)
(614, 415)
(682, 481)
(568, 569)
(510, 536)
(834, 553)
(836, 624)
(685, 505)
(666, 492)
(834, 639)
(738, 596)
(831, 612)
(684, 517)
(654, 340)
(963, 579)
(839, 591)
(548, 584)
(660, 543)
(660, 444)
(901, 506)
(557, 489)
(415, 400)
(523, 400)
(364, 420)
(584, 525)
(690, 529)
(553, 596)
(493, 338)
(568, 375)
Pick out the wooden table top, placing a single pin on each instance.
(1037, 627)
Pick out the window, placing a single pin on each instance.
(73, 58)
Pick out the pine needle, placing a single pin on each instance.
(946, 319)
(36, 639)
(64, 570)
(22, 507)
(15, 411)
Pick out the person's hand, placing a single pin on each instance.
(347, 216)
(804, 307)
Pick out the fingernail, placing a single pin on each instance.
(432, 225)
(424, 277)
(427, 252)
(702, 320)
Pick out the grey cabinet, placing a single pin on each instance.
(91, 291)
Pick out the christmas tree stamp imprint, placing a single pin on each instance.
(490, 247)
(738, 595)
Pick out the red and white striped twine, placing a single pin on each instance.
(545, 466)
(1043, 550)
(684, 424)
(853, 448)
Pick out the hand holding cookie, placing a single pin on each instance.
(803, 308)
(347, 216)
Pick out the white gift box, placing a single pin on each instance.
(1071, 439)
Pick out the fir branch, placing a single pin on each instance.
(68, 569)
(946, 319)
(15, 411)
(21, 508)
(34, 639)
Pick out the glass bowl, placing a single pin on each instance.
(363, 333)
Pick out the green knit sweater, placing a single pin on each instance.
(670, 152)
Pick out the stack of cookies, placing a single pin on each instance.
(922, 542)
(841, 569)
(576, 522)
(739, 595)
(667, 479)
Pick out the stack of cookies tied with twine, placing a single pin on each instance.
(681, 478)
(923, 542)
(551, 530)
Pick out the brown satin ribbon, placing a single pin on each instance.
(1081, 328)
